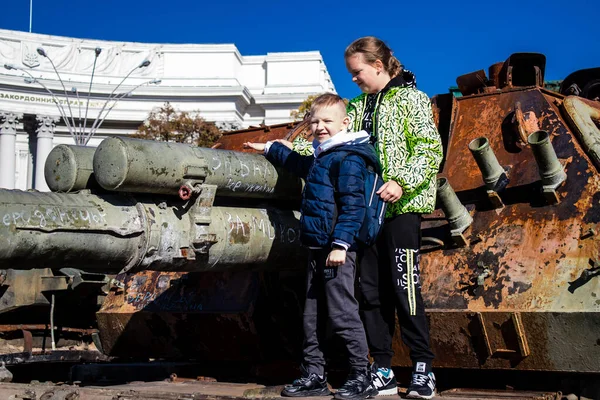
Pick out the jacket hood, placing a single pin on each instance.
(351, 142)
(340, 139)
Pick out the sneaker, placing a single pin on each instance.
(422, 386)
(307, 385)
(384, 380)
(358, 386)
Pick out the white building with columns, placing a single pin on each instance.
(39, 111)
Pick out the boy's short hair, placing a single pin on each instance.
(328, 100)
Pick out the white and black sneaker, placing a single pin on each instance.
(384, 380)
(422, 386)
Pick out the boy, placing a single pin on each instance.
(333, 209)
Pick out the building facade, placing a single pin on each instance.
(108, 88)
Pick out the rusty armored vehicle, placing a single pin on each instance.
(148, 250)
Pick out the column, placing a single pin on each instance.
(8, 136)
(45, 135)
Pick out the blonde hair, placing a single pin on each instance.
(374, 49)
(328, 100)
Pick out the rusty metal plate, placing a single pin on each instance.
(524, 287)
(210, 316)
(235, 140)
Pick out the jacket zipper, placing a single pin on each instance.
(358, 124)
(375, 114)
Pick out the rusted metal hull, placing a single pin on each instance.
(519, 292)
(542, 341)
(241, 316)
(235, 140)
(536, 304)
(246, 329)
(518, 289)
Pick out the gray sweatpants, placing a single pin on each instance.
(330, 300)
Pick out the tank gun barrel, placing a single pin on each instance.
(113, 232)
(185, 209)
(145, 166)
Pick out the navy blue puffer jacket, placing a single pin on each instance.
(334, 189)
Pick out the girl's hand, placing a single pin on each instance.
(336, 258)
(255, 146)
(390, 192)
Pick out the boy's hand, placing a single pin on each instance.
(284, 142)
(390, 192)
(336, 258)
(255, 146)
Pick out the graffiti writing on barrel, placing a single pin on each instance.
(53, 217)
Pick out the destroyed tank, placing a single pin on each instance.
(194, 252)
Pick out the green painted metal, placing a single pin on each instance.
(486, 160)
(46, 230)
(550, 169)
(145, 166)
(112, 233)
(458, 217)
(69, 168)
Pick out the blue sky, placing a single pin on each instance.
(438, 40)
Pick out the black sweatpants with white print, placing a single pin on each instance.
(389, 282)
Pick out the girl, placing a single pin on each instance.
(400, 121)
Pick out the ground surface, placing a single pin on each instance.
(196, 390)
